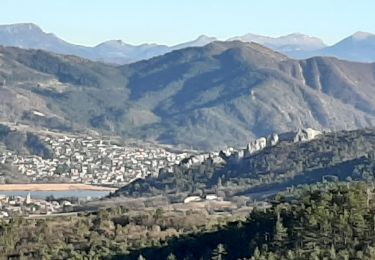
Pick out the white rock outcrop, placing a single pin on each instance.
(255, 146)
(301, 135)
(273, 140)
(201, 158)
(311, 134)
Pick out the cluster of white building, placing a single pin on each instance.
(84, 159)
(11, 206)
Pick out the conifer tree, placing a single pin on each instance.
(219, 252)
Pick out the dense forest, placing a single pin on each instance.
(325, 221)
(330, 220)
(101, 234)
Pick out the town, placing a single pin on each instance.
(92, 160)
(11, 206)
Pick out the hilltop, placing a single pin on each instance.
(207, 97)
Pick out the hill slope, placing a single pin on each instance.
(244, 90)
(358, 47)
(205, 97)
(332, 221)
(333, 156)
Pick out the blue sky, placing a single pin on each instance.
(169, 22)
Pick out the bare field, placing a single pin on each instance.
(52, 187)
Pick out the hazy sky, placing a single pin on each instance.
(169, 22)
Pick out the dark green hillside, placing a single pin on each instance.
(346, 154)
(325, 221)
(330, 221)
(24, 142)
(68, 69)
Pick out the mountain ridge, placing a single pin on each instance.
(359, 47)
(295, 45)
(206, 97)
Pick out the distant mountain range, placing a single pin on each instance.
(358, 47)
(292, 45)
(30, 36)
(225, 93)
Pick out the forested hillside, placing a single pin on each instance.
(324, 221)
(339, 155)
(327, 221)
(23, 142)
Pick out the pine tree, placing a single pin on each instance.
(332, 253)
(219, 252)
(280, 233)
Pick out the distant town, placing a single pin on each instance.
(92, 160)
(11, 206)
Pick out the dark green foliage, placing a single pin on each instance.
(98, 235)
(318, 222)
(333, 156)
(24, 142)
(15, 141)
(324, 221)
(68, 69)
(37, 146)
(4, 131)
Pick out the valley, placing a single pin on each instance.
(254, 147)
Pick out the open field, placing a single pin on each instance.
(53, 187)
